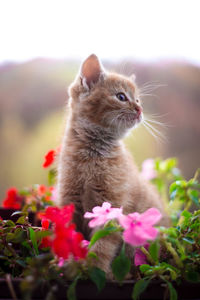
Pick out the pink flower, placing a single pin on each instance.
(102, 214)
(139, 227)
(140, 257)
(54, 194)
(85, 243)
(61, 262)
(148, 171)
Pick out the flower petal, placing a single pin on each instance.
(132, 238)
(88, 215)
(151, 216)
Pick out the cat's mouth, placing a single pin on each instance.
(130, 119)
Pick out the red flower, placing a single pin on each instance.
(45, 192)
(46, 241)
(13, 199)
(67, 241)
(45, 223)
(49, 158)
(42, 189)
(59, 216)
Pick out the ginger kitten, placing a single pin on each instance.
(94, 165)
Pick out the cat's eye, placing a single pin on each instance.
(121, 97)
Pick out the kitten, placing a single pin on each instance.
(94, 165)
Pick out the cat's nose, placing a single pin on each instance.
(138, 110)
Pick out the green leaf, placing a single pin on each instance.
(19, 235)
(9, 237)
(101, 233)
(189, 240)
(98, 277)
(21, 263)
(154, 249)
(10, 223)
(24, 192)
(33, 240)
(21, 220)
(172, 291)
(193, 184)
(172, 190)
(144, 268)
(71, 292)
(194, 196)
(173, 274)
(92, 255)
(52, 177)
(170, 163)
(26, 245)
(39, 235)
(139, 287)
(178, 189)
(121, 265)
(186, 214)
(173, 232)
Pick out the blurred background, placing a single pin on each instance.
(42, 46)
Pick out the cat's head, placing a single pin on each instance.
(105, 99)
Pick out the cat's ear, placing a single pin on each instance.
(91, 71)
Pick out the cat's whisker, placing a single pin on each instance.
(152, 83)
(154, 131)
(159, 123)
(158, 115)
(162, 124)
(154, 128)
(151, 87)
(156, 123)
(144, 95)
(151, 131)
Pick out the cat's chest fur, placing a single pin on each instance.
(97, 174)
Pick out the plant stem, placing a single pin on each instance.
(188, 204)
(148, 256)
(10, 286)
(196, 175)
(9, 248)
(174, 254)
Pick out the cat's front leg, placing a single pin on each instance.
(107, 247)
(106, 250)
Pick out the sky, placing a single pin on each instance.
(143, 29)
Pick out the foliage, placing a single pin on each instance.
(168, 255)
